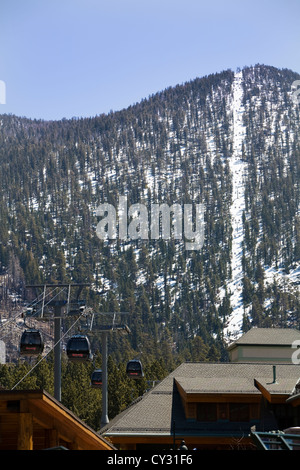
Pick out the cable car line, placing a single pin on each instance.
(23, 314)
(7, 323)
(38, 299)
(44, 357)
(35, 314)
(9, 332)
(45, 305)
(32, 304)
(82, 355)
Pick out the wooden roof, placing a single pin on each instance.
(34, 420)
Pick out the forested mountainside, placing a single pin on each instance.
(229, 141)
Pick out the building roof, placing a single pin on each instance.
(235, 378)
(46, 423)
(268, 337)
(156, 411)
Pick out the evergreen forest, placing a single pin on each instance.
(176, 146)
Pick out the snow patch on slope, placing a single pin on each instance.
(238, 169)
(288, 281)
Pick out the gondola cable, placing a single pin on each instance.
(44, 357)
(21, 314)
(36, 302)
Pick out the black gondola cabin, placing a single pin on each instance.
(96, 379)
(78, 348)
(134, 369)
(31, 343)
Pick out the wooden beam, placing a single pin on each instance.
(25, 432)
(52, 435)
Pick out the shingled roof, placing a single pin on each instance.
(156, 411)
(268, 337)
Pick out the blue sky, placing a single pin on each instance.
(66, 58)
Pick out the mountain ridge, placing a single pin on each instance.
(187, 144)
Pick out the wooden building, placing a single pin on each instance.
(34, 420)
(210, 406)
(215, 405)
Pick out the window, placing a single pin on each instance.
(223, 411)
(207, 412)
(239, 412)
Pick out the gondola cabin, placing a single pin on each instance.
(78, 348)
(96, 379)
(134, 369)
(31, 343)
